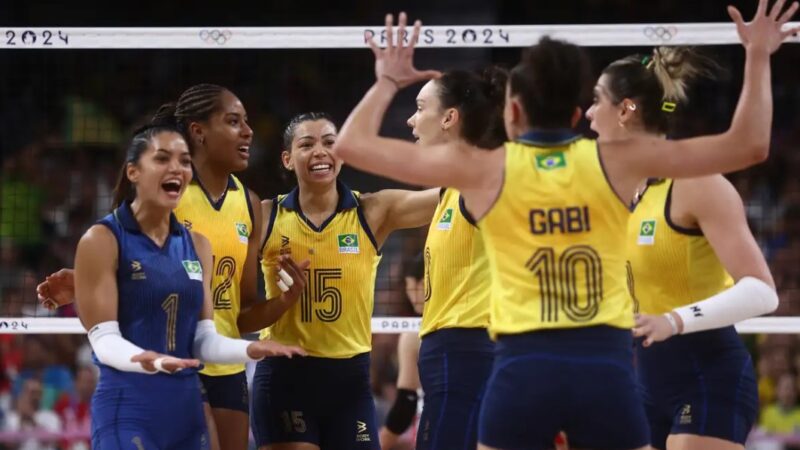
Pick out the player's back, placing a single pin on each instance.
(555, 239)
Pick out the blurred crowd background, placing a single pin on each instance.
(66, 115)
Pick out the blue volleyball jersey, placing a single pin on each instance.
(160, 289)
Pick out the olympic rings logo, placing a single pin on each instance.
(219, 37)
(660, 33)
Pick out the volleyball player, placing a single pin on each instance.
(404, 409)
(552, 209)
(142, 284)
(216, 204)
(324, 401)
(684, 239)
(456, 353)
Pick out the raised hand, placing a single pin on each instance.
(764, 32)
(396, 61)
(57, 289)
(152, 361)
(268, 348)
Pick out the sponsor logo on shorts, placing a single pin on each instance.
(686, 415)
(362, 435)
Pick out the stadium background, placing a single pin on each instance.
(64, 114)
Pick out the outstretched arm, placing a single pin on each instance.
(453, 164)
(747, 140)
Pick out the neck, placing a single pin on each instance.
(213, 178)
(318, 200)
(153, 221)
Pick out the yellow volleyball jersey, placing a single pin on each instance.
(669, 266)
(457, 280)
(555, 238)
(332, 319)
(227, 224)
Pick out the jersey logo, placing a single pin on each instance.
(187, 225)
(137, 274)
(193, 269)
(241, 230)
(551, 161)
(348, 243)
(647, 232)
(284, 241)
(362, 435)
(446, 222)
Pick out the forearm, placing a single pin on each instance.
(751, 126)
(750, 297)
(113, 350)
(261, 315)
(210, 346)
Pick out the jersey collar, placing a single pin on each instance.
(347, 199)
(549, 138)
(124, 215)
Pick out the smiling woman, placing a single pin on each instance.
(324, 400)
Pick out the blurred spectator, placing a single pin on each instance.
(783, 416)
(74, 409)
(28, 416)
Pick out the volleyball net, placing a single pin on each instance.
(70, 97)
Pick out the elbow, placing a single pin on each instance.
(343, 148)
(758, 152)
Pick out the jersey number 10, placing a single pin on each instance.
(558, 282)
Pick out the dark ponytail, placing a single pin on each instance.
(479, 99)
(142, 138)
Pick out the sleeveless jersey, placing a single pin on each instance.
(333, 317)
(457, 279)
(555, 239)
(669, 266)
(227, 224)
(160, 291)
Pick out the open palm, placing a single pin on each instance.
(764, 31)
(396, 61)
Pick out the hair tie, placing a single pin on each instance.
(668, 107)
(645, 60)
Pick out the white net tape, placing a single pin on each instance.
(391, 325)
(610, 35)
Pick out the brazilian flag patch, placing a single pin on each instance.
(551, 161)
(348, 243)
(446, 221)
(193, 269)
(647, 232)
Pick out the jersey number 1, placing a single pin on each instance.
(170, 306)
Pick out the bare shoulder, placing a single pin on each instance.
(703, 192)
(98, 236)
